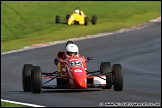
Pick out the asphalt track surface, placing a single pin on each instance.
(138, 51)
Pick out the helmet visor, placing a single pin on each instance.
(71, 53)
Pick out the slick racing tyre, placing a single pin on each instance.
(57, 20)
(118, 77)
(105, 68)
(86, 21)
(26, 77)
(94, 19)
(36, 79)
(67, 17)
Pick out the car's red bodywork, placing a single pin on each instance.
(74, 68)
(72, 74)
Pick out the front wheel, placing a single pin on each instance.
(57, 20)
(26, 77)
(36, 79)
(105, 68)
(117, 77)
(67, 17)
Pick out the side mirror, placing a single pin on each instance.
(89, 58)
(56, 60)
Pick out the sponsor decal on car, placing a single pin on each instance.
(77, 70)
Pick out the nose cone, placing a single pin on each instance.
(79, 76)
(80, 82)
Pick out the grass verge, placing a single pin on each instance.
(7, 104)
(32, 22)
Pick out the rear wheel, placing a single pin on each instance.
(36, 79)
(86, 21)
(118, 77)
(26, 77)
(94, 19)
(105, 68)
(57, 20)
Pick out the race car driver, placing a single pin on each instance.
(76, 16)
(70, 50)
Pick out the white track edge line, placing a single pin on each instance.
(20, 103)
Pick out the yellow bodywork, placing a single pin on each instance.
(77, 17)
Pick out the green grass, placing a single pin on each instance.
(24, 23)
(7, 104)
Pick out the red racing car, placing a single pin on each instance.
(76, 77)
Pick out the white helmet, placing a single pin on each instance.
(72, 48)
(76, 11)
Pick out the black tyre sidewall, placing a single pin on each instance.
(118, 77)
(57, 20)
(67, 17)
(86, 21)
(36, 79)
(26, 77)
(105, 68)
(94, 19)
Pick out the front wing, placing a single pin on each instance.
(51, 82)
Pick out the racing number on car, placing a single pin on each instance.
(78, 63)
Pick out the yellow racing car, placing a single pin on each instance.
(77, 17)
